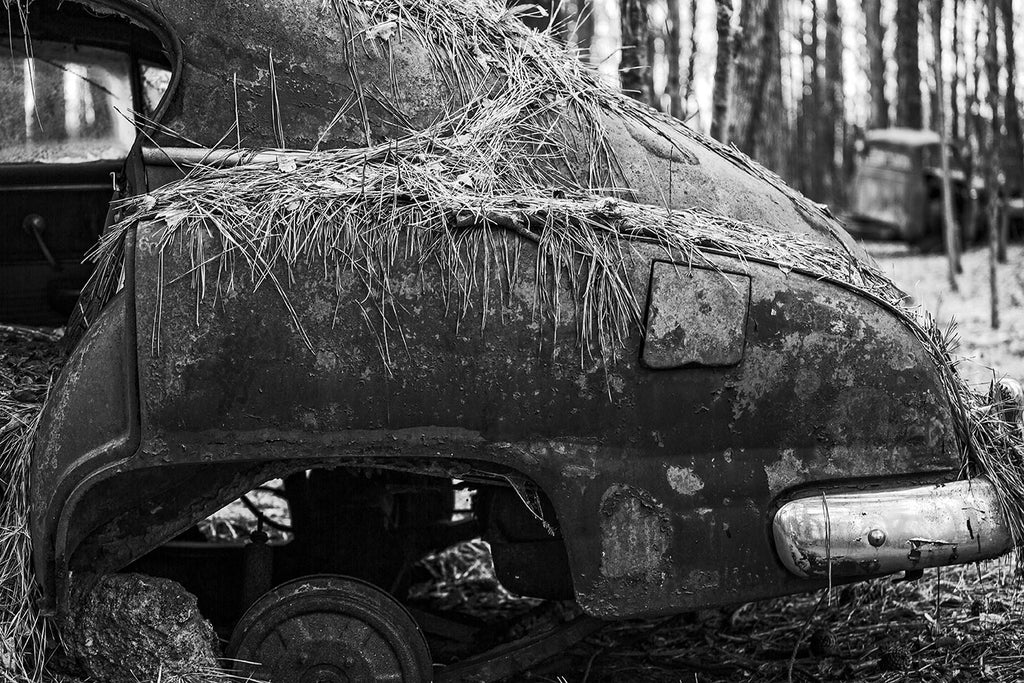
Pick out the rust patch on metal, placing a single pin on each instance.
(696, 317)
(684, 480)
(636, 535)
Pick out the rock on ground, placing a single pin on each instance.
(131, 628)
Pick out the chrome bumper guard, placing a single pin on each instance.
(882, 532)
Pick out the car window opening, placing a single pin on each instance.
(75, 91)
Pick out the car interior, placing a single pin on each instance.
(77, 82)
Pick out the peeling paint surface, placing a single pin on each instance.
(684, 481)
(636, 535)
(695, 317)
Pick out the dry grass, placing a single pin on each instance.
(960, 624)
(955, 624)
(28, 361)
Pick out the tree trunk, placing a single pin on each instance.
(833, 116)
(992, 184)
(691, 61)
(973, 134)
(723, 72)
(583, 30)
(811, 109)
(757, 118)
(954, 82)
(1015, 143)
(653, 97)
(673, 51)
(876, 64)
(949, 222)
(908, 73)
(633, 66)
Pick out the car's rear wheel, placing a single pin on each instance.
(329, 629)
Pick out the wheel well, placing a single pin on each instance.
(366, 517)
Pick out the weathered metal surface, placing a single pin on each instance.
(695, 316)
(90, 422)
(880, 532)
(831, 388)
(636, 535)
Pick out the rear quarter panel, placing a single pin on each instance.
(663, 481)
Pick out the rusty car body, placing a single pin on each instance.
(765, 432)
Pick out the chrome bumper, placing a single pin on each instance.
(881, 532)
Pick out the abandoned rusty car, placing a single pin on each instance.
(387, 251)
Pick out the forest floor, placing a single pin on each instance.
(987, 352)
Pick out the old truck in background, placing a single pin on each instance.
(897, 188)
(767, 431)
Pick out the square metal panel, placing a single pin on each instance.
(695, 317)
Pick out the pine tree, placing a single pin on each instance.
(992, 153)
(673, 52)
(833, 112)
(633, 64)
(723, 72)
(1014, 132)
(908, 72)
(876, 64)
(757, 117)
(691, 61)
(949, 222)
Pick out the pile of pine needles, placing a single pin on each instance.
(954, 624)
(29, 359)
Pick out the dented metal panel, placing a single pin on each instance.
(695, 316)
(636, 535)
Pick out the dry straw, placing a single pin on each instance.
(28, 360)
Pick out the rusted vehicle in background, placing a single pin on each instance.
(765, 429)
(897, 188)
